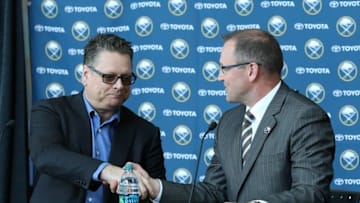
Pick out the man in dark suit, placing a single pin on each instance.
(79, 143)
(284, 154)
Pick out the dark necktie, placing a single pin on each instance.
(246, 135)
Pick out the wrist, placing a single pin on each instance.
(156, 193)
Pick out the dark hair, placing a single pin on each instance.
(255, 45)
(106, 42)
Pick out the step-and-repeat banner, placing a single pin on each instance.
(177, 44)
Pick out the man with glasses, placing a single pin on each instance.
(276, 146)
(79, 143)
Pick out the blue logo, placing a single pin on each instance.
(315, 92)
(182, 175)
(41, 70)
(145, 69)
(348, 115)
(78, 71)
(179, 49)
(113, 8)
(284, 71)
(346, 26)
(244, 7)
(181, 92)
(314, 48)
(53, 50)
(208, 155)
(349, 160)
(80, 31)
(144, 26)
(210, 28)
(182, 135)
(147, 111)
(54, 90)
(277, 26)
(312, 7)
(177, 7)
(210, 71)
(347, 71)
(212, 113)
(49, 8)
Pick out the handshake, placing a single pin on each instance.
(148, 186)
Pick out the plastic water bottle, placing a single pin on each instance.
(128, 188)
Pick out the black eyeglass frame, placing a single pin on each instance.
(125, 79)
(223, 68)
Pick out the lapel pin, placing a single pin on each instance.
(267, 130)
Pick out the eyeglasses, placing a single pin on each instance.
(223, 68)
(112, 78)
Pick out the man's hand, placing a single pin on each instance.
(151, 185)
(110, 175)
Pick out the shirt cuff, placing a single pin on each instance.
(96, 174)
(158, 197)
(259, 201)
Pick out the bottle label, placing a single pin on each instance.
(132, 198)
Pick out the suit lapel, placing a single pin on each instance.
(123, 139)
(264, 130)
(83, 123)
(237, 141)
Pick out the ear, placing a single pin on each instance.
(253, 71)
(85, 75)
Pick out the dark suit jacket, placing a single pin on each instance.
(61, 149)
(290, 159)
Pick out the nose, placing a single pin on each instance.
(220, 76)
(118, 84)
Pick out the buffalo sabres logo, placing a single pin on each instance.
(182, 135)
(312, 7)
(49, 8)
(346, 26)
(54, 90)
(179, 49)
(284, 71)
(348, 115)
(349, 160)
(113, 8)
(147, 111)
(244, 7)
(277, 25)
(182, 175)
(315, 92)
(314, 48)
(210, 71)
(177, 7)
(210, 28)
(181, 92)
(208, 155)
(144, 26)
(80, 31)
(78, 72)
(145, 69)
(212, 113)
(53, 50)
(347, 71)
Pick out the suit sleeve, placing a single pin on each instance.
(55, 146)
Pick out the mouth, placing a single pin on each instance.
(116, 95)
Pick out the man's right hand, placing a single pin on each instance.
(110, 175)
(152, 185)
